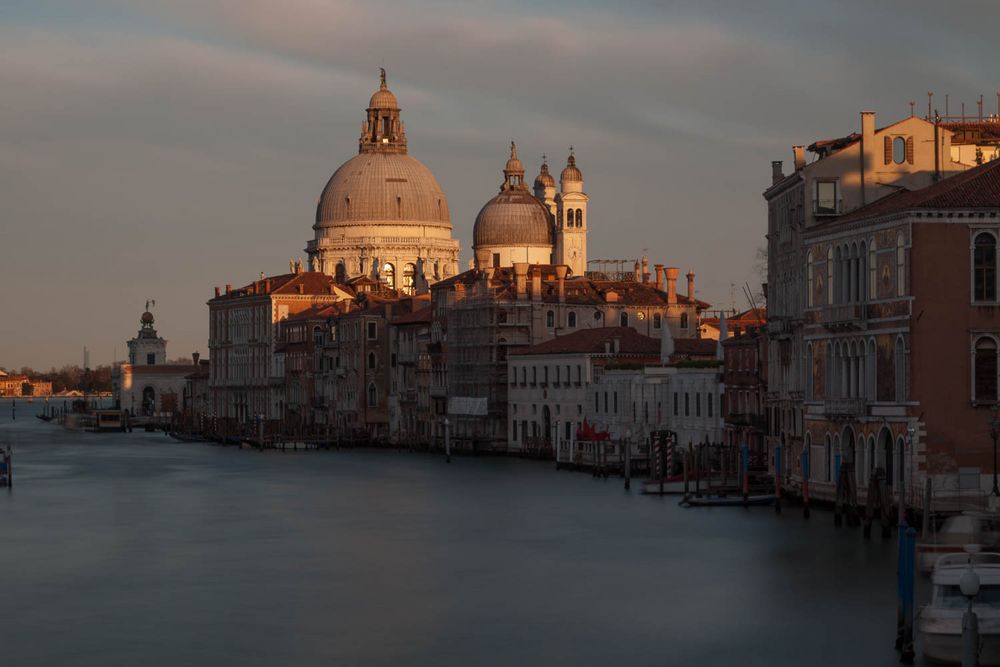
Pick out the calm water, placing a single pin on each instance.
(135, 549)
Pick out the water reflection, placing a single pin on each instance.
(134, 549)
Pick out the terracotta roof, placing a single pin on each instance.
(693, 347)
(421, 316)
(750, 317)
(319, 311)
(978, 187)
(311, 282)
(592, 341)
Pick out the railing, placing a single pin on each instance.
(844, 407)
(846, 315)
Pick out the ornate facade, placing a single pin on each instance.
(383, 214)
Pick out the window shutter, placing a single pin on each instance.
(909, 150)
(887, 142)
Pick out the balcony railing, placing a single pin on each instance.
(844, 407)
(844, 316)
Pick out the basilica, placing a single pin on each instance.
(383, 215)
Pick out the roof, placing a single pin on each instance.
(978, 187)
(310, 282)
(694, 347)
(581, 290)
(319, 311)
(750, 317)
(421, 316)
(593, 341)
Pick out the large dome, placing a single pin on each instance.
(382, 187)
(514, 217)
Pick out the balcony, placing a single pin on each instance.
(844, 408)
(844, 317)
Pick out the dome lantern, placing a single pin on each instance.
(382, 131)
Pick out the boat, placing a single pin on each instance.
(728, 501)
(940, 622)
(969, 527)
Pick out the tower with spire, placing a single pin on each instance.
(571, 218)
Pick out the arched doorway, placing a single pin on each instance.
(148, 401)
(884, 450)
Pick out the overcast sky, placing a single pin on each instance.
(157, 149)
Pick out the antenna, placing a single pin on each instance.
(930, 95)
(912, 104)
(980, 107)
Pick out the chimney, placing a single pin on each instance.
(666, 342)
(690, 277)
(799, 156)
(520, 279)
(561, 271)
(776, 173)
(267, 286)
(867, 157)
(229, 288)
(194, 357)
(672, 273)
(636, 273)
(536, 285)
(658, 268)
(645, 269)
(217, 291)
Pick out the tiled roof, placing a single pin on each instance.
(693, 347)
(319, 311)
(750, 317)
(978, 187)
(311, 283)
(592, 341)
(420, 316)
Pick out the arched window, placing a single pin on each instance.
(985, 380)
(657, 320)
(684, 320)
(900, 266)
(810, 373)
(871, 365)
(809, 279)
(371, 360)
(899, 150)
(900, 370)
(872, 271)
(340, 273)
(828, 458)
(984, 268)
(623, 319)
(569, 218)
(550, 319)
(409, 273)
(838, 275)
(372, 395)
(579, 217)
(571, 319)
(389, 275)
(829, 275)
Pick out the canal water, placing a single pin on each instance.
(134, 549)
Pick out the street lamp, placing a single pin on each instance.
(995, 433)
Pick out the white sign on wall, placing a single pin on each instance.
(467, 405)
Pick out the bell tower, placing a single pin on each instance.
(571, 218)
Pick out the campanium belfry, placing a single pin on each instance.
(383, 214)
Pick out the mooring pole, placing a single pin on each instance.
(900, 576)
(909, 563)
(628, 464)
(746, 471)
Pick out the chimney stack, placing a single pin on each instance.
(659, 276)
(229, 288)
(536, 285)
(520, 280)
(776, 173)
(636, 273)
(194, 357)
(867, 157)
(217, 291)
(561, 271)
(672, 273)
(645, 270)
(690, 277)
(799, 155)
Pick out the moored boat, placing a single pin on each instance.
(940, 622)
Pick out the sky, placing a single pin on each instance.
(155, 149)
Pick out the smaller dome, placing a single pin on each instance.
(147, 318)
(571, 172)
(512, 218)
(383, 97)
(544, 178)
(514, 165)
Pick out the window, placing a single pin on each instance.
(985, 380)
(872, 272)
(899, 150)
(809, 279)
(389, 275)
(579, 373)
(550, 319)
(697, 405)
(409, 278)
(372, 330)
(657, 320)
(708, 403)
(545, 375)
(372, 395)
(623, 320)
(371, 360)
(900, 262)
(534, 375)
(605, 402)
(151, 359)
(826, 197)
(597, 316)
(675, 404)
(684, 320)
(984, 268)
(687, 404)
(496, 260)
(616, 402)
(571, 320)
(524, 375)
(597, 402)
(901, 371)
